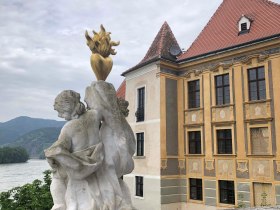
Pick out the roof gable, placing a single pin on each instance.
(221, 31)
(161, 44)
(160, 47)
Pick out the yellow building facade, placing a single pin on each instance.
(251, 164)
(212, 120)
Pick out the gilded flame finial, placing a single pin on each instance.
(101, 46)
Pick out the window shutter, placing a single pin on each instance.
(259, 141)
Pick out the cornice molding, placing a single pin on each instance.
(261, 56)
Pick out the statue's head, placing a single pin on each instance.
(68, 105)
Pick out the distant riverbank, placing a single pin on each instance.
(13, 155)
(17, 174)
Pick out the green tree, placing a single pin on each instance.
(34, 196)
(13, 155)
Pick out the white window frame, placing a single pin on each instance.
(136, 102)
(242, 20)
(135, 154)
(134, 187)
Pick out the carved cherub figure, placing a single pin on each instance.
(76, 156)
(89, 158)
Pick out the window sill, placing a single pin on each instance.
(139, 157)
(243, 32)
(224, 155)
(257, 101)
(222, 105)
(193, 109)
(228, 205)
(194, 155)
(138, 197)
(260, 155)
(195, 201)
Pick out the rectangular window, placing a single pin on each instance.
(224, 141)
(194, 94)
(140, 104)
(140, 144)
(243, 26)
(222, 89)
(194, 142)
(139, 186)
(226, 189)
(259, 141)
(196, 189)
(256, 83)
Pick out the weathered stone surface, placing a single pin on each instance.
(94, 150)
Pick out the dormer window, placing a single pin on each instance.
(244, 25)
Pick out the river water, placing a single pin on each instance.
(18, 174)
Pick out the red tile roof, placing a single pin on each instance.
(161, 44)
(222, 30)
(160, 47)
(121, 90)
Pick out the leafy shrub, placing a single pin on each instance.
(34, 196)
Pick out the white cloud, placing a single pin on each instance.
(43, 50)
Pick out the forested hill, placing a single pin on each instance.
(13, 155)
(36, 141)
(13, 129)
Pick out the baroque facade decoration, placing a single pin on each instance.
(206, 121)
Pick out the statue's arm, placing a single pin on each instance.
(63, 143)
(64, 139)
(77, 165)
(80, 165)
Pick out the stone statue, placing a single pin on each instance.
(101, 47)
(95, 147)
(93, 151)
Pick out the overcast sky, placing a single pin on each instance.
(43, 49)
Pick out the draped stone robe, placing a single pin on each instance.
(90, 178)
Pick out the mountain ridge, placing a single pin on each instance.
(36, 141)
(15, 128)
